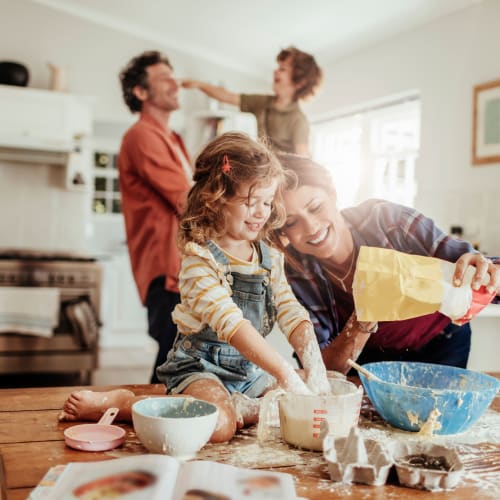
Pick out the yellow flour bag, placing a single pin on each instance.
(390, 285)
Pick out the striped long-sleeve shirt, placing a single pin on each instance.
(206, 294)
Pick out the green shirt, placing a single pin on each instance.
(284, 128)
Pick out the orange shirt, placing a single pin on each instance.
(153, 187)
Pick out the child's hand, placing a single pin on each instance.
(314, 367)
(293, 383)
(189, 84)
(317, 381)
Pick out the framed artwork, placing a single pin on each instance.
(486, 123)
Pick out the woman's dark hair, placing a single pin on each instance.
(305, 72)
(306, 171)
(135, 74)
(300, 171)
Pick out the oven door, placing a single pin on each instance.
(73, 347)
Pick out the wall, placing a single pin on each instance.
(443, 60)
(35, 211)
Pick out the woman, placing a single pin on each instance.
(323, 245)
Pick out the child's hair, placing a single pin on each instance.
(305, 72)
(217, 181)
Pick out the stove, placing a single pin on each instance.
(72, 348)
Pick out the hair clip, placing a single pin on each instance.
(226, 166)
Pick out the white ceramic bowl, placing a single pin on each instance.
(177, 426)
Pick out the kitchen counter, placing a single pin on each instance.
(490, 311)
(31, 441)
(485, 341)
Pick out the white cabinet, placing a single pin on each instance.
(105, 146)
(485, 341)
(128, 312)
(203, 126)
(51, 119)
(124, 317)
(45, 127)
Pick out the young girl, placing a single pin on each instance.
(233, 289)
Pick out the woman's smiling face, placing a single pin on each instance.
(313, 225)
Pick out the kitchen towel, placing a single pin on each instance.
(29, 310)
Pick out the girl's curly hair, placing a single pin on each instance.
(248, 161)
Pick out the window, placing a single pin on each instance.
(371, 152)
(106, 198)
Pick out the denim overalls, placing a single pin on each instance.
(203, 355)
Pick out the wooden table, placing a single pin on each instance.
(31, 441)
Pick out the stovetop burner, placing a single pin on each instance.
(44, 255)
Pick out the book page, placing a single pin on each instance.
(141, 477)
(204, 480)
(47, 483)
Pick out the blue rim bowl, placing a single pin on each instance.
(409, 392)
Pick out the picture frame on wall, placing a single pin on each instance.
(486, 123)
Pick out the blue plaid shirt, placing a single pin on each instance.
(377, 223)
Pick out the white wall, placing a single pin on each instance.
(93, 56)
(443, 60)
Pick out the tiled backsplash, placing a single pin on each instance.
(36, 211)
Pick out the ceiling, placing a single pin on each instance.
(247, 35)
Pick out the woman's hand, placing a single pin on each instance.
(483, 267)
(348, 344)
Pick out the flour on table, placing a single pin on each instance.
(268, 414)
(485, 430)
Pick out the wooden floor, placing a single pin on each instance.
(125, 365)
(117, 365)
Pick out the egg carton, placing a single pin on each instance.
(424, 478)
(356, 460)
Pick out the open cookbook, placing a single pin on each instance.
(151, 477)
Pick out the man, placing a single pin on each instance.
(155, 176)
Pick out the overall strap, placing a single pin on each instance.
(265, 256)
(217, 253)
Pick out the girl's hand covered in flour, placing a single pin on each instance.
(293, 383)
(306, 346)
(318, 383)
(315, 371)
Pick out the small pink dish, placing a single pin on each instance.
(101, 436)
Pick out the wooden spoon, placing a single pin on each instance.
(364, 371)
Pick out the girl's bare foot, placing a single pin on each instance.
(247, 409)
(90, 405)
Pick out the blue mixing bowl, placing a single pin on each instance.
(409, 392)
